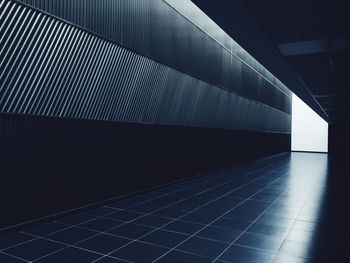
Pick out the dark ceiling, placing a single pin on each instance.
(314, 38)
(310, 39)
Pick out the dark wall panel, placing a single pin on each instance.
(50, 165)
(51, 68)
(339, 139)
(178, 34)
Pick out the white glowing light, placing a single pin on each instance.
(309, 130)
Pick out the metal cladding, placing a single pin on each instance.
(144, 61)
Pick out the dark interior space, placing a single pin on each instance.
(162, 131)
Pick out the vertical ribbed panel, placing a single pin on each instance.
(178, 34)
(51, 68)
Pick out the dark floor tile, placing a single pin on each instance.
(145, 208)
(241, 194)
(204, 247)
(164, 238)
(219, 234)
(186, 193)
(138, 252)
(9, 259)
(169, 212)
(253, 206)
(153, 221)
(109, 260)
(165, 200)
(201, 217)
(103, 243)
(207, 197)
(230, 200)
(14, 239)
(101, 224)
(260, 241)
(45, 229)
(124, 215)
(101, 211)
(183, 227)
(188, 205)
(131, 230)
(70, 255)
(71, 235)
(34, 249)
(262, 196)
(177, 257)
(218, 207)
(76, 218)
(231, 223)
(247, 217)
(239, 254)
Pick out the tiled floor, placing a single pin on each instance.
(266, 211)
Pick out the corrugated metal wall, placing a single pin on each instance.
(52, 68)
(170, 31)
(178, 34)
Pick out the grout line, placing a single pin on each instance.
(144, 215)
(296, 219)
(246, 229)
(188, 212)
(234, 179)
(14, 256)
(217, 218)
(224, 174)
(131, 239)
(172, 221)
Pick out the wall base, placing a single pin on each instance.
(50, 165)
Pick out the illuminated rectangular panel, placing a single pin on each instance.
(309, 130)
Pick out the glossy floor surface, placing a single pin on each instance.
(270, 210)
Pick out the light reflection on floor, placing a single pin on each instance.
(303, 203)
(266, 211)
